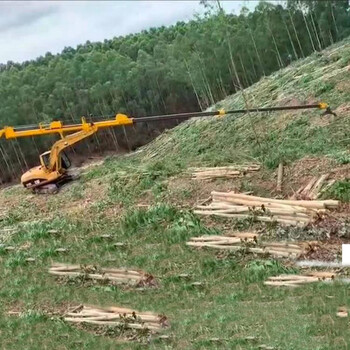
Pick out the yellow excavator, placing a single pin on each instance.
(54, 164)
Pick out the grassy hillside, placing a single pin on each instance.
(144, 201)
(274, 137)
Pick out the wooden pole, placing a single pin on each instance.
(279, 177)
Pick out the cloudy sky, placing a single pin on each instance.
(29, 29)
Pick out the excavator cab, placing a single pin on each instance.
(45, 159)
(64, 160)
(42, 175)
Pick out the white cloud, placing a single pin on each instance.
(29, 29)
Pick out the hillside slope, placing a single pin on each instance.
(135, 211)
(267, 138)
(273, 137)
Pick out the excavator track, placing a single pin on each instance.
(47, 187)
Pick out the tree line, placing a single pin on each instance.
(185, 67)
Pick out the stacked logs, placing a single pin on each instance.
(110, 275)
(297, 280)
(248, 242)
(117, 316)
(314, 189)
(232, 171)
(286, 212)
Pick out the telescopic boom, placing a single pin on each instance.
(121, 119)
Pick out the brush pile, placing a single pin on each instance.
(248, 242)
(117, 316)
(314, 189)
(230, 172)
(286, 212)
(297, 280)
(113, 276)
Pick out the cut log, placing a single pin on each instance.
(302, 203)
(251, 167)
(296, 280)
(306, 191)
(317, 187)
(227, 208)
(279, 177)
(258, 204)
(259, 218)
(278, 249)
(113, 323)
(216, 238)
(108, 274)
(207, 173)
(113, 316)
(286, 212)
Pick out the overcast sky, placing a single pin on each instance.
(29, 29)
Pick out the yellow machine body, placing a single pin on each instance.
(44, 174)
(38, 176)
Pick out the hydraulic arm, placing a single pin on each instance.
(121, 119)
(58, 127)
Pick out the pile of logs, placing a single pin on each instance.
(297, 280)
(286, 212)
(248, 242)
(230, 172)
(314, 189)
(113, 276)
(117, 316)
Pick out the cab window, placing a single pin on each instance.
(46, 159)
(65, 162)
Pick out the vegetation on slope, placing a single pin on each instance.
(268, 138)
(185, 67)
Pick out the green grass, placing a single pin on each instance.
(340, 190)
(231, 308)
(232, 304)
